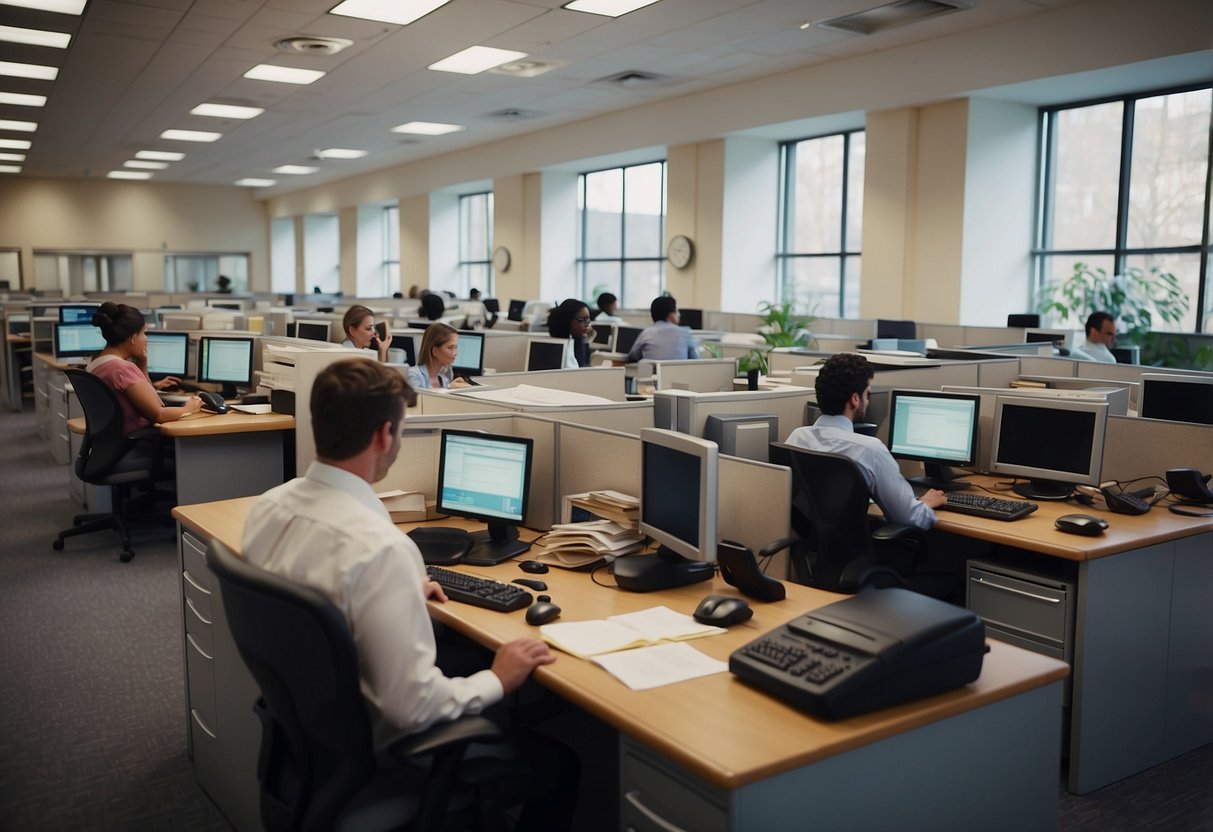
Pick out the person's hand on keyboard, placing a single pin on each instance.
(933, 498)
(516, 659)
(168, 384)
(433, 592)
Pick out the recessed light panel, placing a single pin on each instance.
(127, 174)
(226, 111)
(12, 157)
(476, 59)
(608, 8)
(160, 155)
(426, 128)
(10, 168)
(297, 170)
(16, 70)
(400, 12)
(35, 37)
(22, 99)
(143, 164)
(283, 74)
(340, 153)
(256, 183)
(18, 126)
(191, 136)
(61, 6)
(15, 144)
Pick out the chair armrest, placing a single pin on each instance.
(864, 572)
(898, 532)
(446, 736)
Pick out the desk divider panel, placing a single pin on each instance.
(505, 350)
(1135, 447)
(625, 416)
(945, 335)
(1036, 365)
(787, 405)
(307, 366)
(978, 335)
(782, 360)
(996, 373)
(606, 382)
(704, 375)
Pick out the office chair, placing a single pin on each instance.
(1024, 320)
(110, 457)
(839, 549)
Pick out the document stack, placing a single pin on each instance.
(609, 530)
(623, 509)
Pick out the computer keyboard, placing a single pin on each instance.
(480, 592)
(995, 508)
(173, 399)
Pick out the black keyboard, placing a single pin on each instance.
(995, 508)
(480, 592)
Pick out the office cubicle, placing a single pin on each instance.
(703, 375)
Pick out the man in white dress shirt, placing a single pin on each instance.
(1101, 337)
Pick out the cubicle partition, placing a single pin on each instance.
(628, 417)
(705, 375)
(688, 412)
(1136, 448)
(606, 382)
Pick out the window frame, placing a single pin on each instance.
(582, 262)
(469, 266)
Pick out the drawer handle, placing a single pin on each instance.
(190, 638)
(186, 574)
(201, 724)
(189, 603)
(993, 585)
(633, 797)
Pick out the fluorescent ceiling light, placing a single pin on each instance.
(61, 6)
(12, 157)
(22, 99)
(16, 70)
(283, 74)
(226, 111)
(426, 128)
(144, 165)
(18, 126)
(191, 136)
(400, 12)
(160, 155)
(340, 153)
(10, 168)
(35, 37)
(127, 174)
(476, 59)
(256, 183)
(298, 170)
(15, 144)
(609, 8)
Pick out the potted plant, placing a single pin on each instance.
(781, 327)
(1136, 299)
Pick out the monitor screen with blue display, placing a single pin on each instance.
(78, 313)
(226, 361)
(938, 429)
(486, 477)
(78, 340)
(167, 354)
(469, 361)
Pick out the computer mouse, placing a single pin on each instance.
(541, 612)
(212, 402)
(533, 566)
(530, 583)
(722, 611)
(1081, 524)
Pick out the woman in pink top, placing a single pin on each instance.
(123, 366)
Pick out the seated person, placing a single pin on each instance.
(1101, 337)
(432, 306)
(122, 365)
(358, 324)
(328, 531)
(842, 388)
(607, 304)
(665, 339)
(571, 320)
(438, 351)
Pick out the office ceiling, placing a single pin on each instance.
(135, 68)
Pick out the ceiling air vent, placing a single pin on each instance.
(635, 79)
(892, 15)
(305, 45)
(514, 114)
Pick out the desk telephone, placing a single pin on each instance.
(876, 649)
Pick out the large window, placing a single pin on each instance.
(821, 223)
(1125, 183)
(322, 253)
(476, 244)
(622, 219)
(200, 272)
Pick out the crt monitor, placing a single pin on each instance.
(1177, 398)
(226, 361)
(469, 360)
(1055, 443)
(405, 343)
(312, 330)
(516, 308)
(937, 429)
(545, 354)
(168, 354)
(604, 336)
(690, 317)
(625, 338)
(486, 477)
(78, 313)
(78, 340)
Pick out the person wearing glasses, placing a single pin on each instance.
(571, 320)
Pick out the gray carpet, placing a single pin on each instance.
(92, 706)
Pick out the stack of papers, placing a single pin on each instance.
(592, 543)
(615, 506)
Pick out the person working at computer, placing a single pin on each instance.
(122, 365)
(433, 306)
(358, 324)
(571, 320)
(1101, 337)
(607, 304)
(842, 386)
(439, 349)
(327, 530)
(665, 339)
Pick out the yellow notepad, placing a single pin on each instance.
(621, 632)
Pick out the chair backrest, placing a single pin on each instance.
(1026, 319)
(104, 441)
(829, 510)
(316, 746)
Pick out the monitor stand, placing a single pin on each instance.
(665, 570)
(943, 477)
(1043, 490)
(496, 545)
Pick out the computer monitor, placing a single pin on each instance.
(486, 477)
(404, 341)
(469, 361)
(1178, 398)
(937, 429)
(1055, 443)
(1023, 319)
(747, 435)
(545, 354)
(226, 361)
(625, 338)
(690, 317)
(312, 330)
(1039, 336)
(168, 354)
(235, 305)
(604, 336)
(79, 340)
(896, 329)
(492, 306)
(78, 313)
(516, 308)
(679, 492)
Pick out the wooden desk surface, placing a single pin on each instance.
(720, 729)
(1037, 533)
(204, 423)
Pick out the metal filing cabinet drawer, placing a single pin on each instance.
(1036, 610)
(193, 560)
(655, 796)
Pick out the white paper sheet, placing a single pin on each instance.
(652, 667)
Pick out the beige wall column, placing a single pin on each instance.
(517, 227)
(414, 242)
(347, 236)
(890, 180)
(300, 254)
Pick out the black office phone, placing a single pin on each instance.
(876, 649)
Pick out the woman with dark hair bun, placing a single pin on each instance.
(122, 365)
(571, 319)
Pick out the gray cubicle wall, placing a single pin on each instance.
(629, 417)
(607, 382)
(705, 375)
(692, 409)
(1136, 447)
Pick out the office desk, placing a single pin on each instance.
(224, 456)
(710, 753)
(1142, 684)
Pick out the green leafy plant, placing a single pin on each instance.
(781, 327)
(1165, 349)
(1136, 299)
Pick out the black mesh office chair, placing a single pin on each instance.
(840, 550)
(109, 457)
(316, 766)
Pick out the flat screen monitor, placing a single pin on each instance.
(545, 354)
(516, 308)
(625, 338)
(78, 313)
(1041, 336)
(690, 317)
(312, 330)
(469, 360)
(234, 305)
(168, 354)
(492, 306)
(1055, 443)
(404, 341)
(226, 361)
(937, 429)
(907, 330)
(1178, 398)
(486, 477)
(79, 340)
(604, 336)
